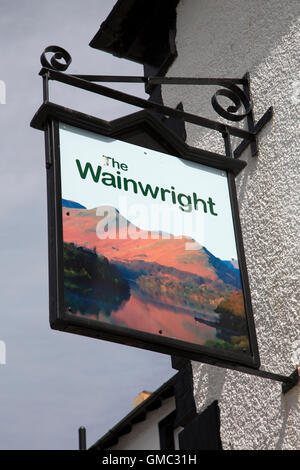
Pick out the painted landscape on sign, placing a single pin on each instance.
(151, 283)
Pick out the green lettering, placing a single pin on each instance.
(126, 181)
(110, 180)
(187, 206)
(163, 193)
(199, 200)
(148, 189)
(211, 204)
(88, 166)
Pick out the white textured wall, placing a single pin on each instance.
(145, 435)
(226, 38)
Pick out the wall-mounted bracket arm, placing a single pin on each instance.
(237, 90)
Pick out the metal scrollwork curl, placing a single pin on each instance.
(238, 97)
(58, 54)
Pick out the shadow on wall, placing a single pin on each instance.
(208, 386)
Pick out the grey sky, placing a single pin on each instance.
(53, 382)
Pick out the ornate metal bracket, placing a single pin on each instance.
(235, 89)
(60, 61)
(58, 54)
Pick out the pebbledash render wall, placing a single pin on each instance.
(226, 38)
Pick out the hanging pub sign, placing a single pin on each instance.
(144, 236)
(145, 245)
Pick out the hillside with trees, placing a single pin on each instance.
(91, 282)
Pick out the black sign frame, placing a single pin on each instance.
(129, 129)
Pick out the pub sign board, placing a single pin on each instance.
(145, 246)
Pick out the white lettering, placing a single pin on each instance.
(2, 92)
(2, 353)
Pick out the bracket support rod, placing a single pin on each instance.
(142, 103)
